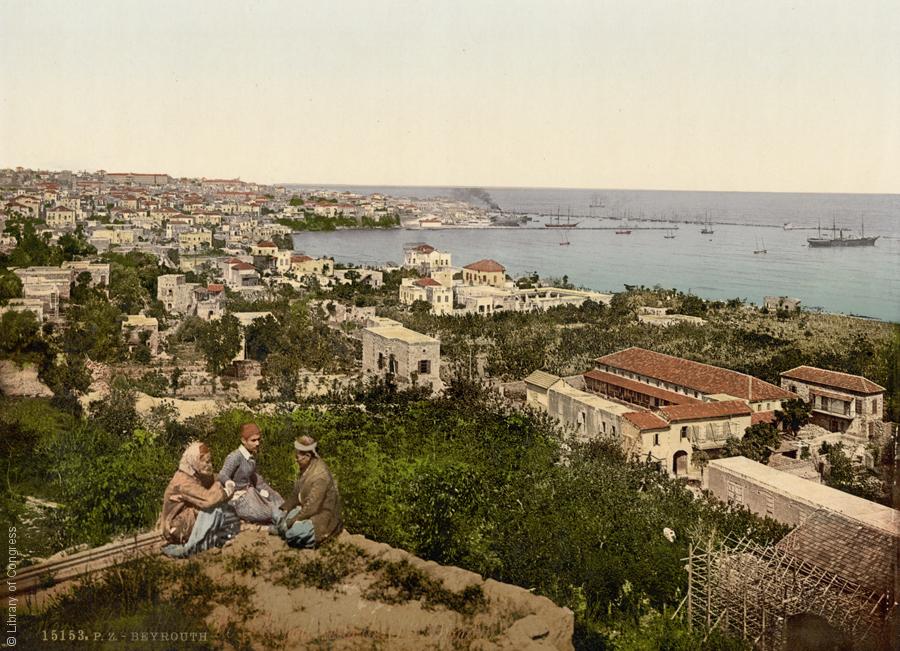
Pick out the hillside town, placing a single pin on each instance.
(192, 290)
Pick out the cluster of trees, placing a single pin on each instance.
(313, 222)
(463, 480)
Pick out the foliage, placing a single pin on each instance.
(146, 594)
(793, 415)
(756, 444)
(844, 475)
(219, 341)
(10, 286)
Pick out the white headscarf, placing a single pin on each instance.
(192, 462)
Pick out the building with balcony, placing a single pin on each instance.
(839, 402)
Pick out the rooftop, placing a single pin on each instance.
(644, 420)
(640, 387)
(694, 375)
(860, 553)
(542, 379)
(401, 333)
(836, 379)
(701, 410)
(487, 266)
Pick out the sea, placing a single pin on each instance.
(729, 263)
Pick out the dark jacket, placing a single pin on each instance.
(316, 492)
(243, 472)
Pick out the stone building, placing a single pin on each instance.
(484, 272)
(840, 402)
(426, 259)
(61, 217)
(790, 499)
(194, 241)
(775, 303)
(406, 355)
(429, 290)
(136, 324)
(661, 408)
(177, 296)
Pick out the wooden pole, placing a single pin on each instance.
(690, 603)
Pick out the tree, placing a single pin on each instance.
(420, 307)
(262, 337)
(793, 415)
(755, 444)
(175, 379)
(219, 341)
(116, 413)
(10, 286)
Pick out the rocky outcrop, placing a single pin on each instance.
(22, 381)
(541, 625)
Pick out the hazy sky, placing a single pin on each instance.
(680, 94)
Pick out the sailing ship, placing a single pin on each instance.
(707, 227)
(839, 239)
(568, 224)
(760, 249)
(670, 235)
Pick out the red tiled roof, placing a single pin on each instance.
(836, 379)
(300, 258)
(694, 375)
(762, 417)
(488, 266)
(427, 282)
(213, 287)
(242, 266)
(706, 410)
(644, 420)
(640, 387)
(424, 248)
(267, 244)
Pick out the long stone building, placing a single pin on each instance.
(661, 408)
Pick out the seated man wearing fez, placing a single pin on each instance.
(312, 513)
(253, 499)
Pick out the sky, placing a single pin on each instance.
(758, 95)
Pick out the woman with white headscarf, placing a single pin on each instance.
(195, 514)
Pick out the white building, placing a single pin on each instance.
(425, 259)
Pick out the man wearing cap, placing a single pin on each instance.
(253, 498)
(312, 513)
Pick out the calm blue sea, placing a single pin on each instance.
(863, 281)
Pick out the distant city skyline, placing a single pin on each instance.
(737, 96)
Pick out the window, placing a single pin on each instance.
(684, 432)
(770, 505)
(424, 367)
(380, 360)
(875, 406)
(859, 407)
(735, 493)
(656, 438)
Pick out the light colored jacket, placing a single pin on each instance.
(178, 518)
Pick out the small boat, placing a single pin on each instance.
(669, 235)
(623, 231)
